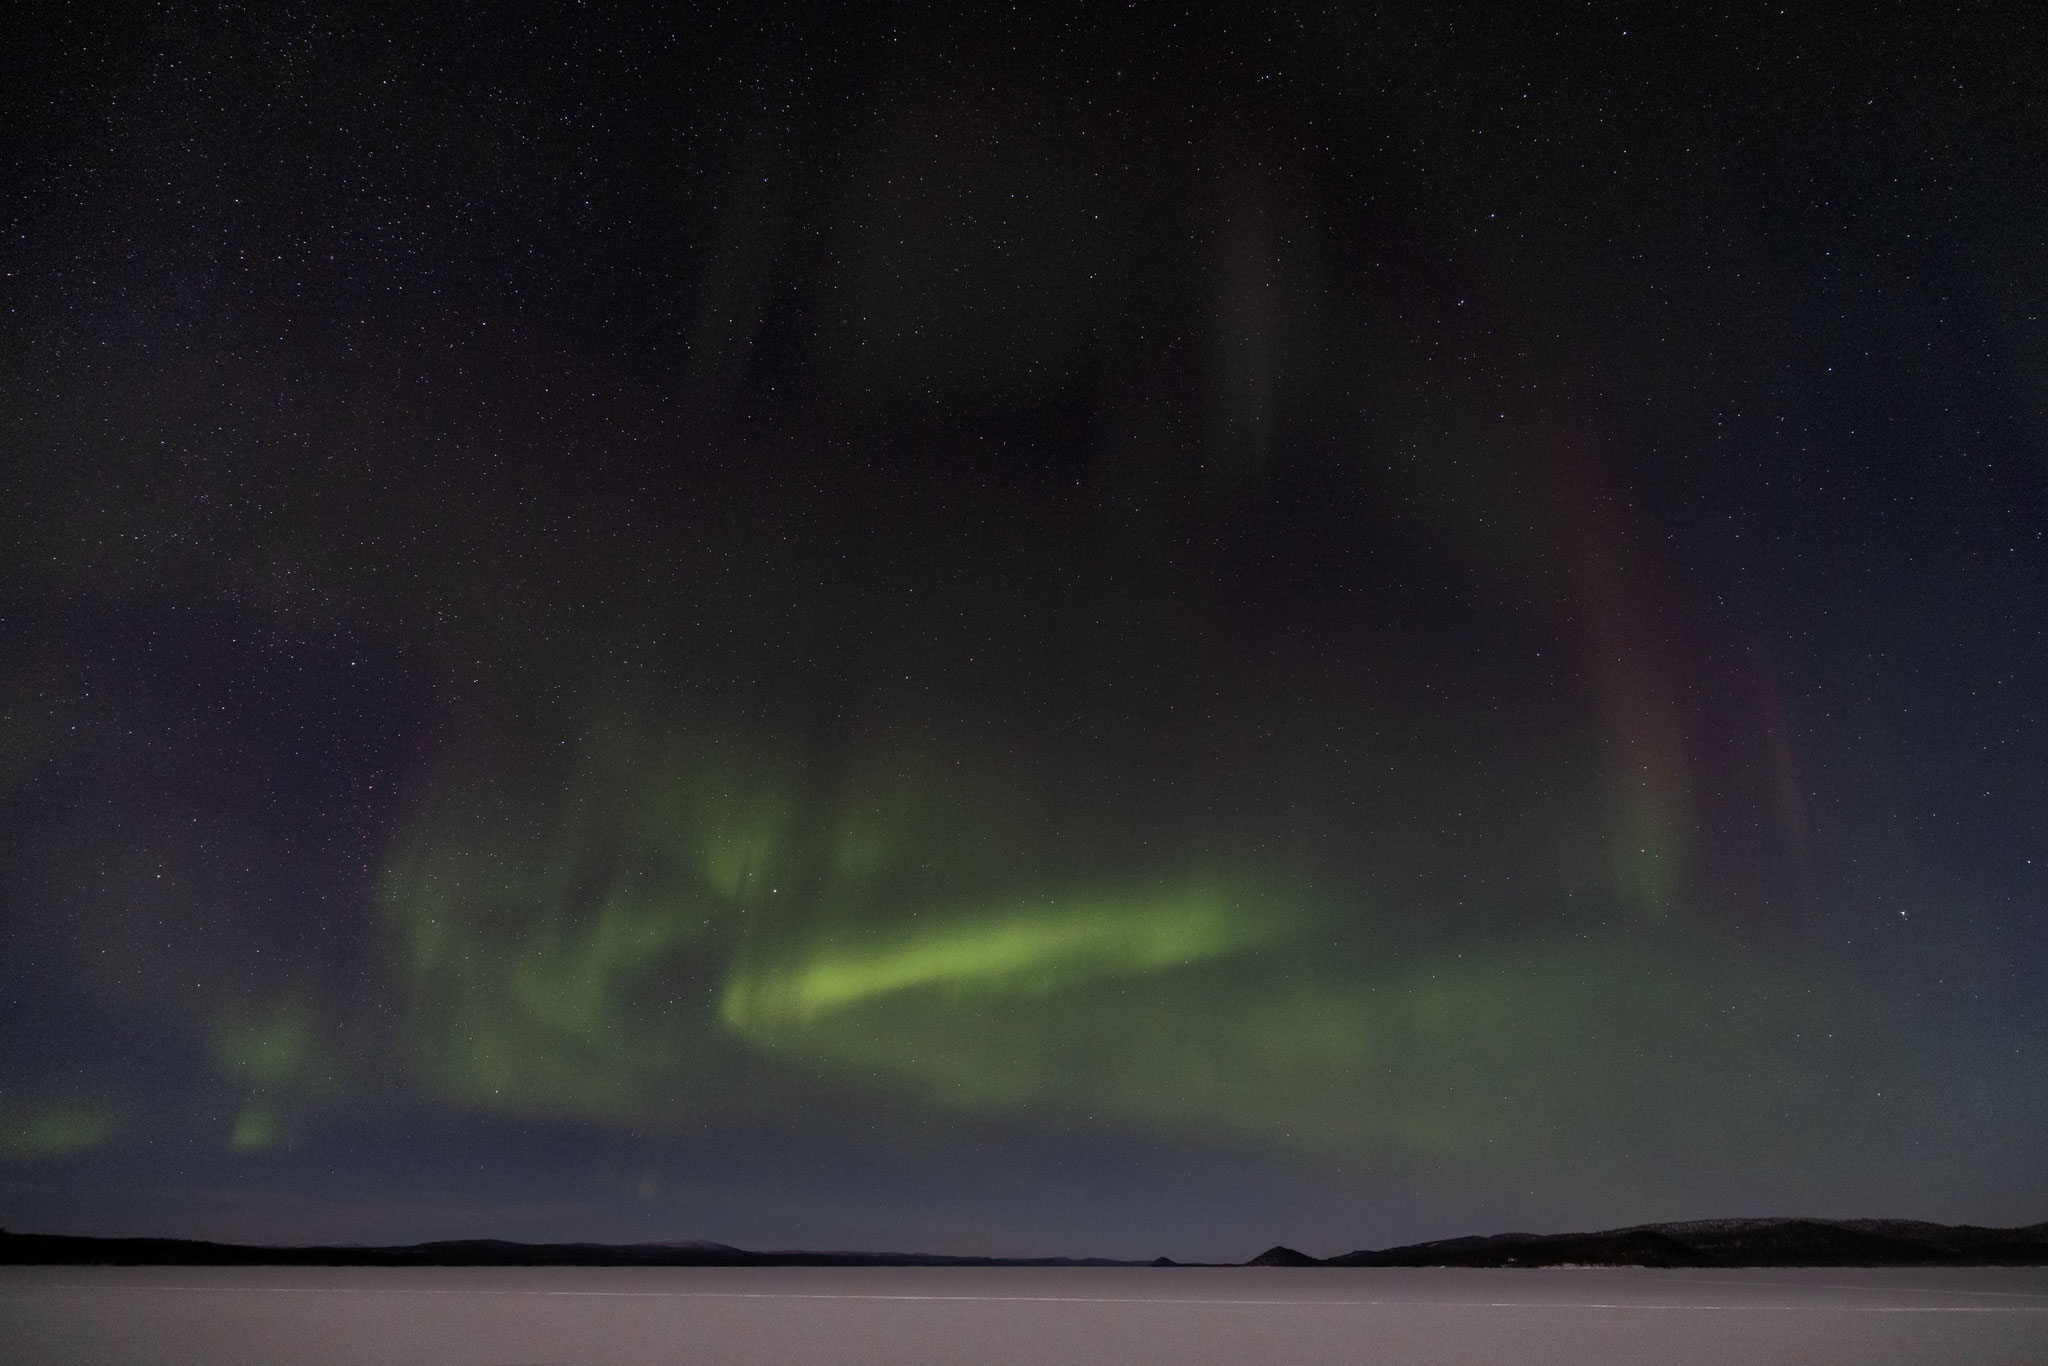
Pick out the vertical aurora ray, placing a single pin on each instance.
(1627, 652)
(547, 937)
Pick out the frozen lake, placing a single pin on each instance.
(168, 1316)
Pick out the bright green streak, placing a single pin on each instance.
(1016, 952)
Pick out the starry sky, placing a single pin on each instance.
(1105, 631)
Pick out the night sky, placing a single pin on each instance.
(1117, 631)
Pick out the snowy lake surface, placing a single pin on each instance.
(526, 1316)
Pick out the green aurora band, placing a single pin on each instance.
(694, 929)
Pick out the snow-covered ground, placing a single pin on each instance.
(169, 1316)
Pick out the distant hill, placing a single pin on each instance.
(1734, 1242)
(1699, 1243)
(49, 1249)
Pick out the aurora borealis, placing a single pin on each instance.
(1115, 634)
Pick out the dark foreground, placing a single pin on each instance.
(496, 1316)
